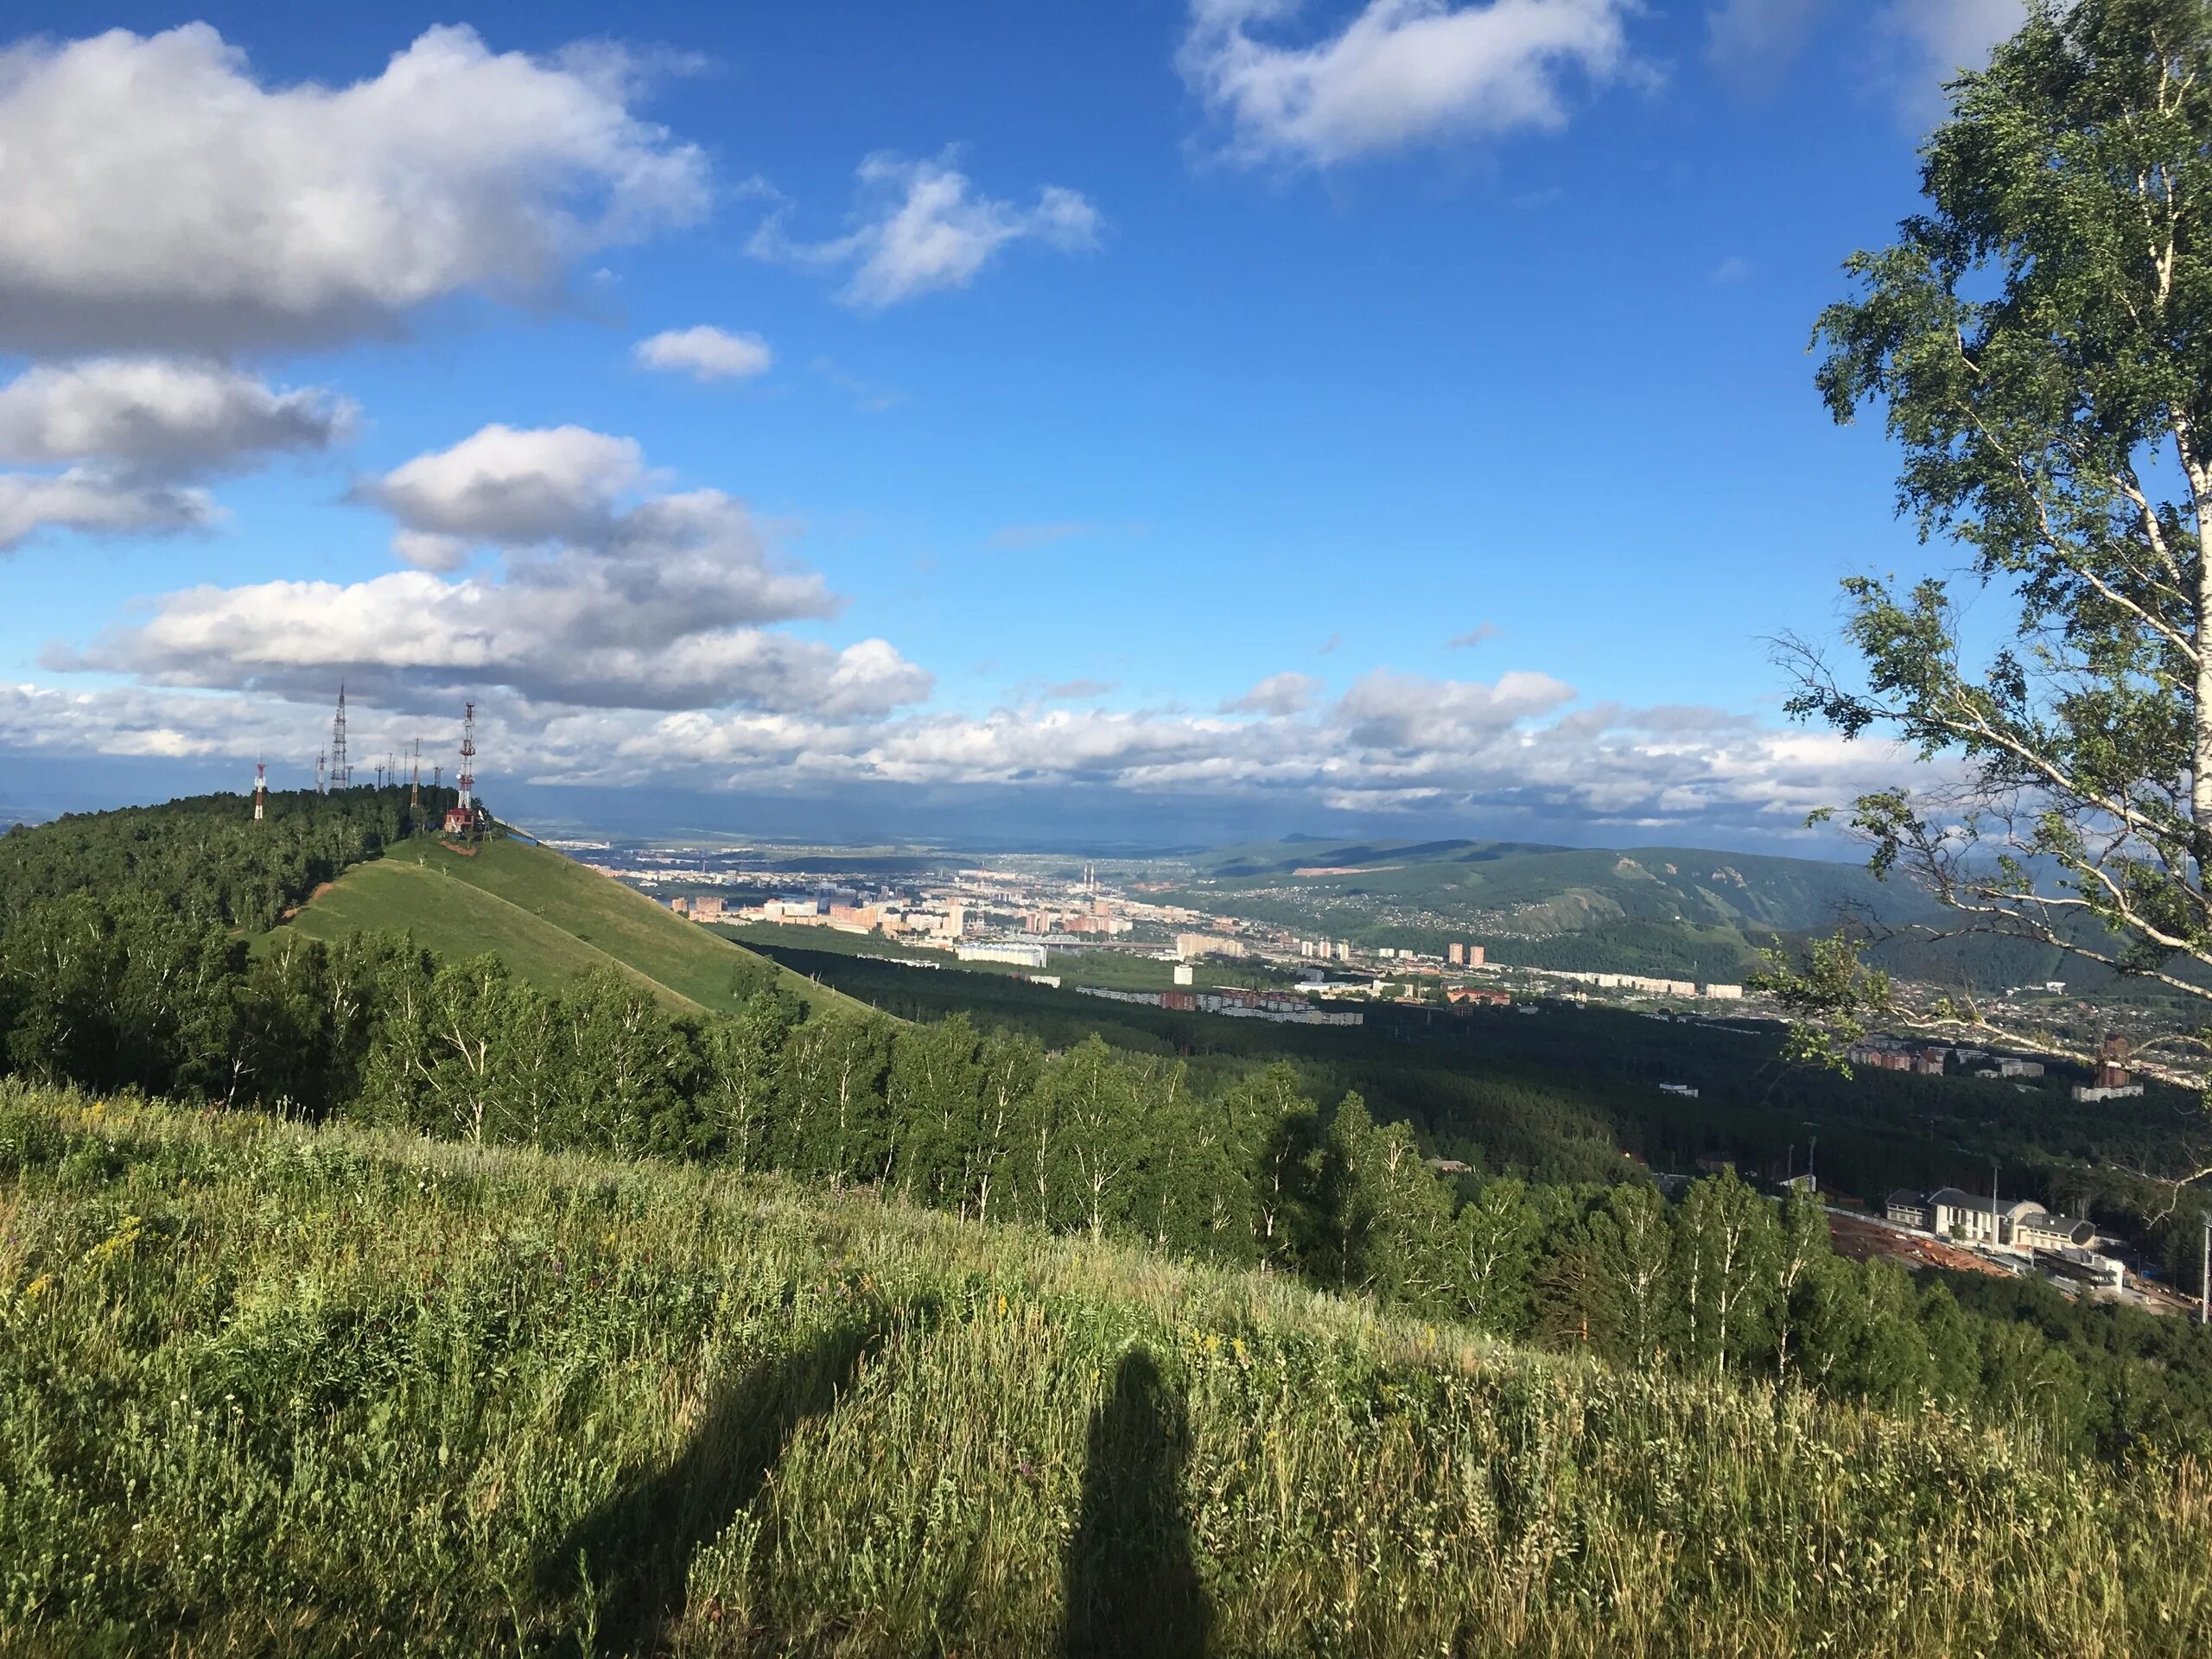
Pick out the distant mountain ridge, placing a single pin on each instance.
(1682, 911)
(1540, 888)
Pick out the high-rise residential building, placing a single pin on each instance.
(1456, 955)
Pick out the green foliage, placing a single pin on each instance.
(2040, 339)
(266, 1390)
(204, 857)
(1828, 993)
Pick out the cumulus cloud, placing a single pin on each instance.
(1278, 696)
(1481, 633)
(1400, 72)
(1496, 755)
(921, 225)
(1388, 711)
(705, 354)
(100, 505)
(510, 485)
(154, 417)
(602, 597)
(129, 433)
(582, 629)
(158, 193)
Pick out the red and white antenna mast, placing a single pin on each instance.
(260, 786)
(341, 774)
(466, 780)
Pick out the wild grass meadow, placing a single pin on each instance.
(269, 1389)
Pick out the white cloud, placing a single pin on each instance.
(705, 354)
(1493, 756)
(1387, 711)
(1278, 696)
(129, 435)
(1481, 634)
(1400, 72)
(82, 499)
(583, 628)
(921, 225)
(510, 485)
(157, 194)
(160, 418)
(600, 599)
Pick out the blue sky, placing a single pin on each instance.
(1128, 406)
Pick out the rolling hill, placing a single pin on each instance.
(1685, 912)
(1534, 889)
(550, 918)
(269, 1389)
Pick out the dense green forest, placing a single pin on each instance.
(1244, 1150)
(203, 857)
(1558, 1091)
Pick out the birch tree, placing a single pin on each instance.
(2039, 340)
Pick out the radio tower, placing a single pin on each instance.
(341, 776)
(465, 780)
(321, 787)
(414, 784)
(260, 784)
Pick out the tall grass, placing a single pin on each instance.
(266, 1389)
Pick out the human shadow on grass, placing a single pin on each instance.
(635, 1551)
(1130, 1581)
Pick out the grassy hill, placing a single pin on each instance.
(265, 1390)
(1537, 889)
(1682, 911)
(549, 918)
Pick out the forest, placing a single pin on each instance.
(204, 857)
(1239, 1159)
(1558, 1092)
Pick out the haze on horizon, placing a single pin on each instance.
(1183, 423)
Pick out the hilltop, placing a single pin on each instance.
(550, 919)
(266, 1389)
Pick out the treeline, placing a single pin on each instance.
(1251, 1170)
(1558, 1097)
(204, 857)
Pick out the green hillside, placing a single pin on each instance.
(265, 1390)
(1537, 889)
(550, 918)
(1682, 911)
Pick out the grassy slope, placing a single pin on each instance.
(265, 1390)
(1560, 889)
(550, 918)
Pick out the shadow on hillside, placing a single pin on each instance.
(635, 1550)
(1131, 1584)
